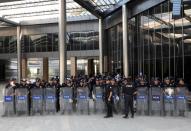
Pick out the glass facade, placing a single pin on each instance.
(115, 45)
(76, 41)
(49, 42)
(8, 44)
(83, 41)
(158, 45)
(40, 43)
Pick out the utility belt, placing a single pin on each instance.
(128, 95)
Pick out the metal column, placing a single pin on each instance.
(101, 46)
(62, 39)
(125, 41)
(73, 69)
(18, 54)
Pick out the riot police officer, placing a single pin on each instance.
(97, 84)
(103, 85)
(169, 95)
(168, 87)
(57, 87)
(23, 90)
(168, 83)
(115, 95)
(109, 98)
(128, 91)
(9, 90)
(155, 82)
(24, 84)
(37, 83)
(91, 83)
(181, 92)
(142, 97)
(156, 97)
(12, 83)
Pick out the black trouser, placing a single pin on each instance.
(109, 105)
(91, 90)
(129, 104)
(58, 99)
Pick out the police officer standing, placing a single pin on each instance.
(129, 91)
(109, 99)
(56, 85)
(182, 92)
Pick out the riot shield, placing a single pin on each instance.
(66, 99)
(83, 100)
(21, 101)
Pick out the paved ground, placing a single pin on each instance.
(93, 123)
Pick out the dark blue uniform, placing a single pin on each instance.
(109, 102)
(129, 91)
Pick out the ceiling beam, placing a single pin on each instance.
(89, 7)
(187, 17)
(5, 1)
(184, 38)
(115, 8)
(160, 20)
(9, 21)
(166, 29)
(144, 5)
(136, 6)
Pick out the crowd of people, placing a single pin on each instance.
(113, 87)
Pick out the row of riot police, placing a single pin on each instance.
(50, 97)
(108, 93)
(30, 98)
(167, 98)
(162, 98)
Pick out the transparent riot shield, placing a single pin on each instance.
(122, 101)
(36, 101)
(21, 101)
(116, 102)
(181, 101)
(8, 103)
(156, 101)
(169, 101)
(142, 103)
(66, 100)
(50, 100)
(99, 106)
(83, 100)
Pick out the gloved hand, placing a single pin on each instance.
(93, 96)
(70, 100)
(117, 98)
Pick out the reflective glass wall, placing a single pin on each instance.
(8, 44)
(49, 42)
(115, 49)
(158, 45)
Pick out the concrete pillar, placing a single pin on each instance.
(18, 53)
(73, 71)
(101, 45)
(24, 68)
(45, 69)
(62, 39)
(125, 40)
(90, 67)
(105, 59)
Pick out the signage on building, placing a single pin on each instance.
(177, 9)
